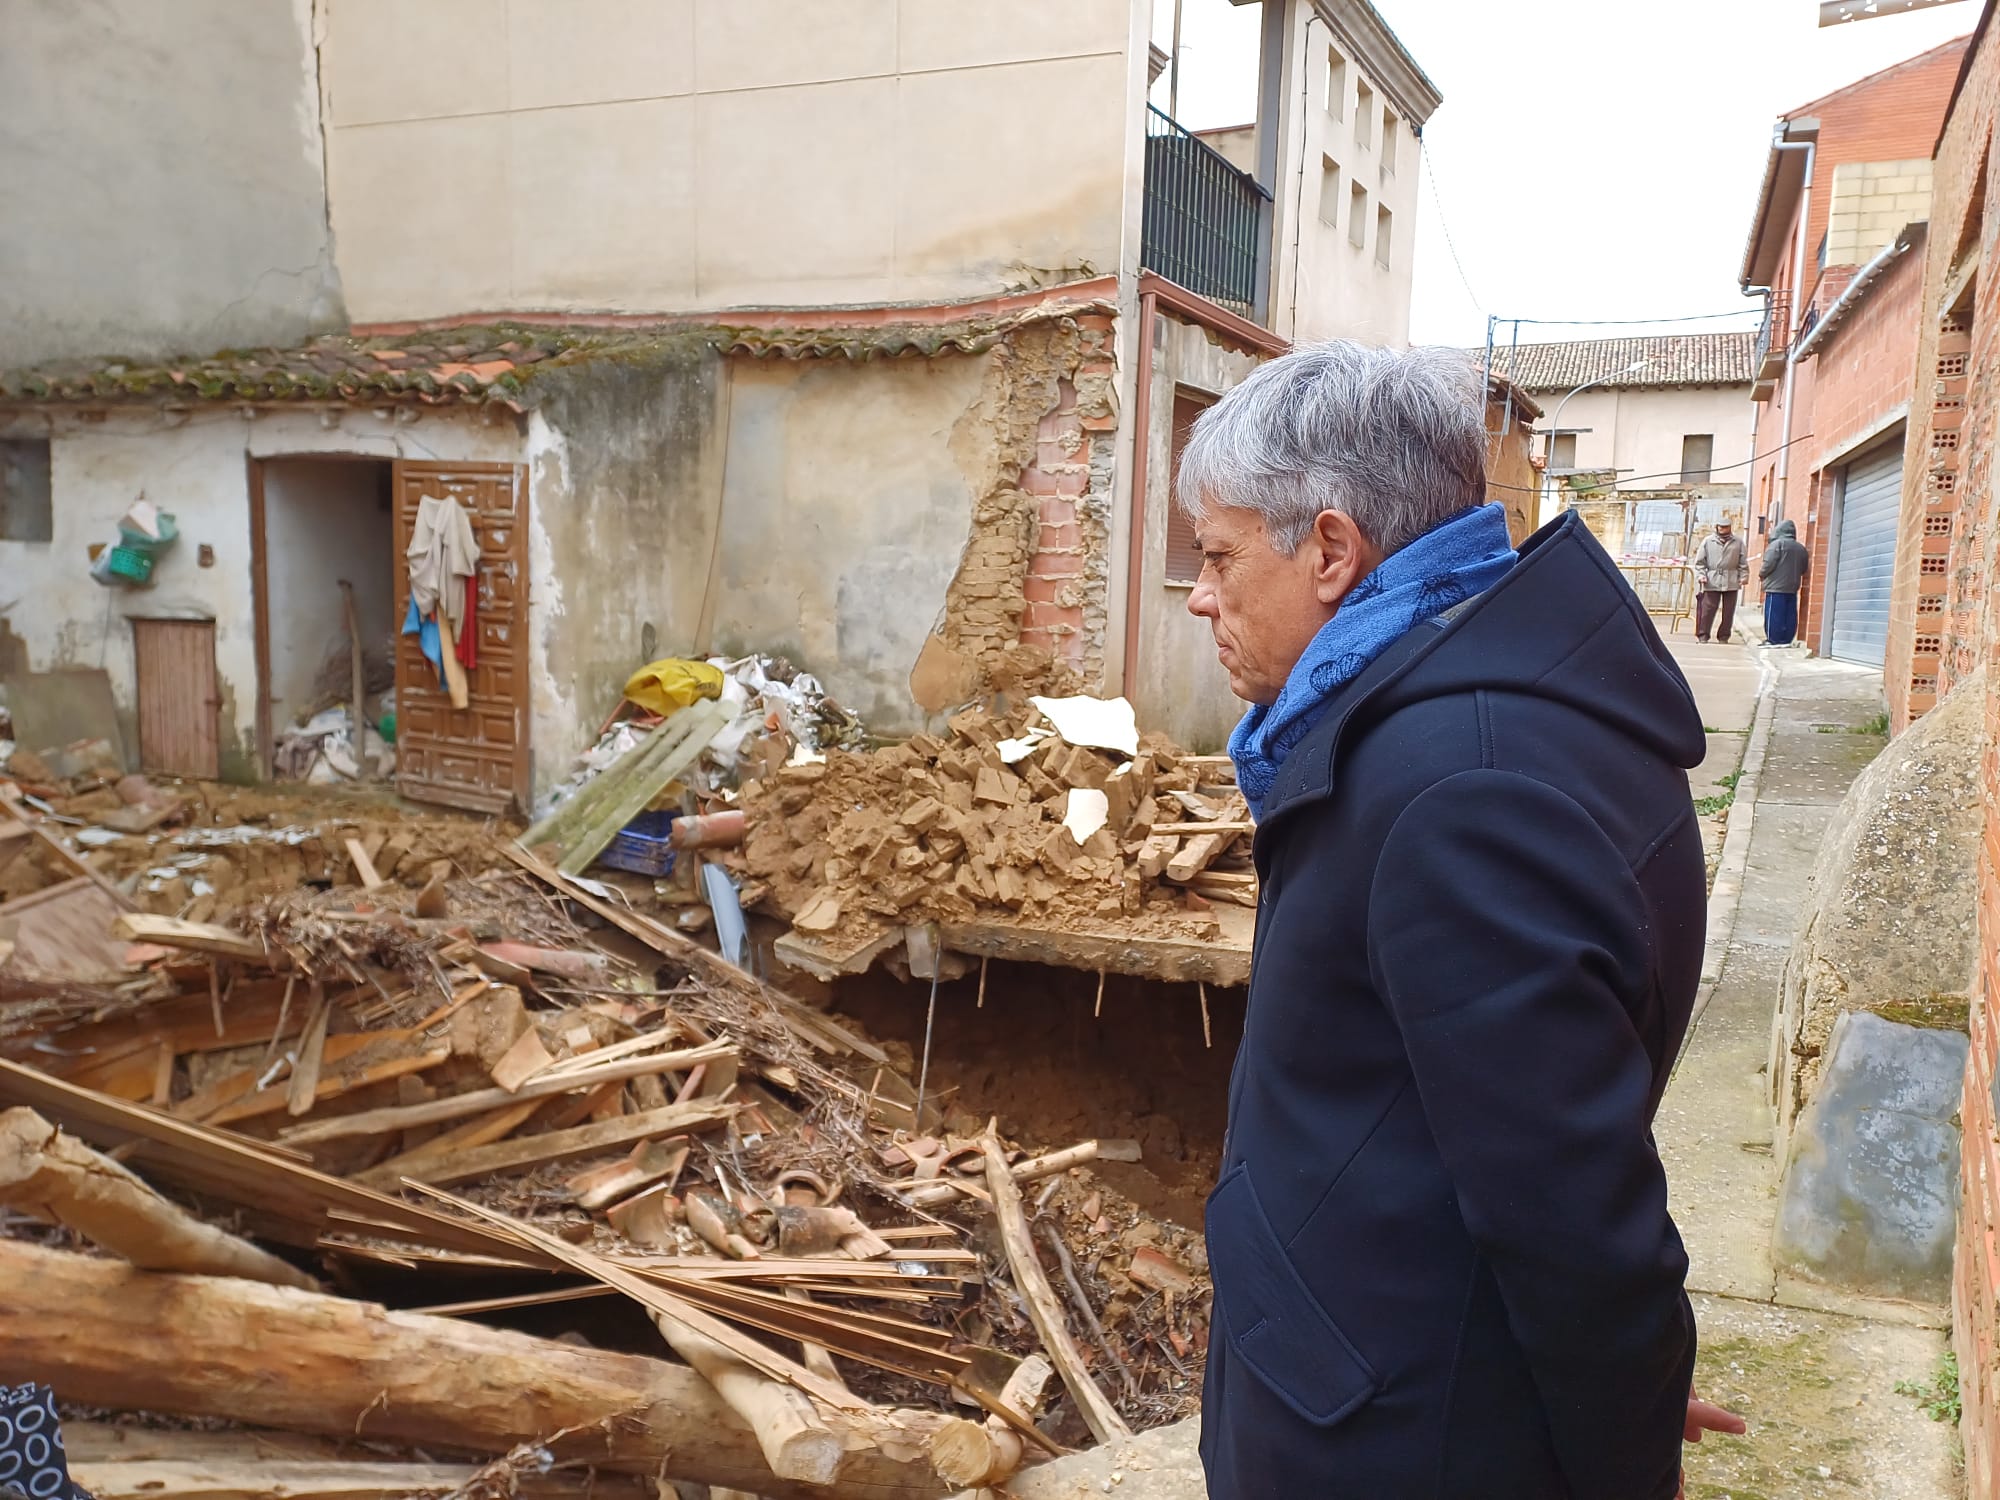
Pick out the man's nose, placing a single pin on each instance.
(1201, 601)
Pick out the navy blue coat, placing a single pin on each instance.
(1444, 1267)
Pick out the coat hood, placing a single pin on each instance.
(1787, 531)
(1564, 625)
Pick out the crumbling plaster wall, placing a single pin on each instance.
(624, 482)
(195, 466)
(182, 139)
(846, 507)
(1180, 688)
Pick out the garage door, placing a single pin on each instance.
(1871, 504)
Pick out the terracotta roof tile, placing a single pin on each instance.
(489, 364)
(1674, 359)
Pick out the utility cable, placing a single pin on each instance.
(1437, 199)
(1670, 474)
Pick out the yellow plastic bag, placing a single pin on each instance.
(671, 683)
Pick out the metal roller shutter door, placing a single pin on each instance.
(1870, 507)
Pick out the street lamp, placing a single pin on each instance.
(1555, 427)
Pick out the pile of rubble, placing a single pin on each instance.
(1005, 816)
(493, 1095)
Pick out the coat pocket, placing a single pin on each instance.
(1276, 1326)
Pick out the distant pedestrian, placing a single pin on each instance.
(1783, 570)
(1719, 570)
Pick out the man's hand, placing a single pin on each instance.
(1706, 1416)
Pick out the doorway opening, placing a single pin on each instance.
(320, 521)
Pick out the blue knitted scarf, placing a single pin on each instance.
(1452, 562)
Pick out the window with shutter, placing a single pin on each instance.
(1183, 553)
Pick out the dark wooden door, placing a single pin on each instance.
(474, 757)
(179, 707)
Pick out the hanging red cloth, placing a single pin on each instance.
(468, 631)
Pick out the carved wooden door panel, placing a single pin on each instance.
(474, 757)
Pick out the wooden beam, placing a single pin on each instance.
(59, 1180)
(106, 1335)
(196, 937)
(1222, 960)
(443, 1169)
(436, 1111)
(1044, 1311)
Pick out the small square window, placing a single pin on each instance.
(1389, 129)
(27, 512)
(1364, 116)
(1562, 452)
(1697, 457)
(1329, 191)
(1336, 84)
(1385, 224)
(1357, 216)
(1183, 552)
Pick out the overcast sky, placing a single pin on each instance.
(1592, 159)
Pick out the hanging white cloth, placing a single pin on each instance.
(442, 554)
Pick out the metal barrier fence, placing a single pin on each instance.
(1665, 589)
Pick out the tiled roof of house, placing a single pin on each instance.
(1675, 359)
(488, 364)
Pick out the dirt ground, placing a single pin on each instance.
(1056, 1068)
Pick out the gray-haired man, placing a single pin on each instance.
(1442, 1257)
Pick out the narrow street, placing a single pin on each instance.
(1814, 1372)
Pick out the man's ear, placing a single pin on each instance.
(1342, 556)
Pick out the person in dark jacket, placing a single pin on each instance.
(1782, 573)
(1443, 1263)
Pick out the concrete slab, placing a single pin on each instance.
(1714, 1134)
(1819, 1391)
(1724, 679)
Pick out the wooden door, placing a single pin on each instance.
(474, 757)
(179, 707)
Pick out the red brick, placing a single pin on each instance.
(1049, 538)
(1056, 510)
(1057, 565)
(1042, 615)
(1041, 482)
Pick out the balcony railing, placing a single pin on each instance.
(1204, 217)
(1774, 337)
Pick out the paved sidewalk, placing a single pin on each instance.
(1818, 1387)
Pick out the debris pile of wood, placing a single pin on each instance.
(491, 1102)
(1001, 816)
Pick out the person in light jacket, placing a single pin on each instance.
(1720, 570)
(1782, 571)
(1442, 1258)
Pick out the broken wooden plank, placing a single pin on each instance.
(1220, 960)
(59, 1180)
(303, 1087)
(436, 1111)
(556, 1145)
(364, 867)
(62, 933)
(1044, 1311)
(688, 733)
(220, 1477)
(196, 937)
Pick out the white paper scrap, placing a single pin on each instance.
(1093, 723)
(1085, 812)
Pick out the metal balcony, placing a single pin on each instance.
(1773, 339)
(1204, 218)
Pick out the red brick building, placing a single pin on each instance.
(1835, 245)
(1943, 625)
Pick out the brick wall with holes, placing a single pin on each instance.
(1944, 622)
(1861, 379)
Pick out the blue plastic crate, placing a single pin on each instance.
(640, 849)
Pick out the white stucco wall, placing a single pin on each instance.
(683, 155)
(1324, 285)
(1180, 687)
(1639, 430)
(161, 171)
(325, 519)
(197, 467)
